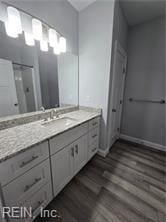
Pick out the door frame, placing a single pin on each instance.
(34, 88)
(117, 49)
(11, 81)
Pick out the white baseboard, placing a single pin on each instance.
(103, 153)
(143, 142)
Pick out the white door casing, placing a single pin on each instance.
(8, 96)
(117, 92)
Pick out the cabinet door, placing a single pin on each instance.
(80, 155)
(62, 168)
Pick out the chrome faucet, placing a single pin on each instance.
(43, 109)
(52, 113)
(56, 113)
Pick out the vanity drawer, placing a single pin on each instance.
(35, 202)
(94, 135)
(40, 199)
(64, 139)
(27, 184)
(94, 123)
(92, 149)
(19, 164)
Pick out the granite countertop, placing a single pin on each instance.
(19, 138)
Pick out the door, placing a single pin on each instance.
(62, 168)
(8, 96)
(117, 91)
(27, 76)
(20, 91)
(80, 155)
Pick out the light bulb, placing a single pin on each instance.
(13, 24)
(37, 29)
(53, 39)
(29, 40)
(56, 49)
(62, 44)
(10, 30)
(44, 45)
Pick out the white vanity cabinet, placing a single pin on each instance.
(27, 184)
(80, 147)
(25, 178)
(71, 151)
(71, 158)
(67, 162)
(19, 164)
(93, 137)
(61, 164)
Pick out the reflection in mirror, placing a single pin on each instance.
(68, 79)
(31, 78)
(25, 88)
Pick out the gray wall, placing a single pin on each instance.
(120, 33)
(120, 29)
(95, 41)
(145, 80)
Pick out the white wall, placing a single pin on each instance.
(146, 80)
(95, 42)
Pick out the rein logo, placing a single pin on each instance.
(17, 212)
(27, 212)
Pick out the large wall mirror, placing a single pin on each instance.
(31, 78)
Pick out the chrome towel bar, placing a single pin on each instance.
(162, 101)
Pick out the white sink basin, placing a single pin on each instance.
(60, 122)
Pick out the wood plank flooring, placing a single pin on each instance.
(129, 185)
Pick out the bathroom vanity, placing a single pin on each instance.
(38, 159)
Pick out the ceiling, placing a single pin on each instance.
(136, 11)
(80, 4)
(143, 10)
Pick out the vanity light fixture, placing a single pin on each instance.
(43, 45)
(62, 44)
(18, 21)
(37, 29)
(29, 40)
(13, 23)
(52, 37)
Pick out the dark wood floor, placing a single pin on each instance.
(127, 185)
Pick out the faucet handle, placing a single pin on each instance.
(56, 113)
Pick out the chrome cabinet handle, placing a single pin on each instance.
(24, 163)
(39, 203)
(27, 187)
(94, 124)
(76, 149)
(94, 136)
(72, 151)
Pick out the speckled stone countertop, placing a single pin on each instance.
(19, 138)
(15, 120)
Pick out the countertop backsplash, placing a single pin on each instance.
(15, 120)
